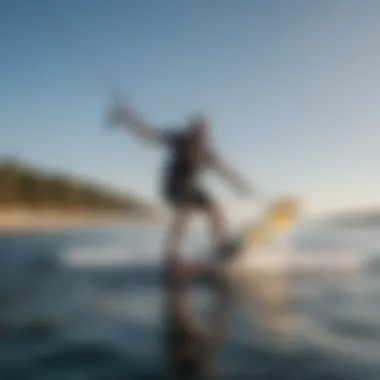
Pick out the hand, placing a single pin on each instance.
(114, 116)
(120, 114)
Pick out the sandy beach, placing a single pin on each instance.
(19, 221)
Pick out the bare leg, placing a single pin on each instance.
(177, 232)
(224, 246)
(218, 225)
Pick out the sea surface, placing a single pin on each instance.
(87, 305)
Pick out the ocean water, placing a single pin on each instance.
(87, 305)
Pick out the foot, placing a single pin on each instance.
(227, 251)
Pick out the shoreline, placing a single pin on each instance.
(36, 221)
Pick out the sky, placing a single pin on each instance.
(292, 89)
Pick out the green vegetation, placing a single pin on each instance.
(22, 186)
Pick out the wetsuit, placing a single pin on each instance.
(180, 182)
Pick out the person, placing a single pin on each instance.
(191, 153)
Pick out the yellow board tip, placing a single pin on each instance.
(278, 218)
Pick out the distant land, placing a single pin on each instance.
(362, 218)
(34, 198)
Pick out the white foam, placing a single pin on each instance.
(95, 256)
(273, 260)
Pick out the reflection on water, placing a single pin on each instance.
(64, 322)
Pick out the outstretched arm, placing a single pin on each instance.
(231, 175)
(128, 117)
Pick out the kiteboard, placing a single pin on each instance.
(277, 219)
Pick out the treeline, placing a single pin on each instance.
(24, 187)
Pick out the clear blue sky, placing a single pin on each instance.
(292, 87)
